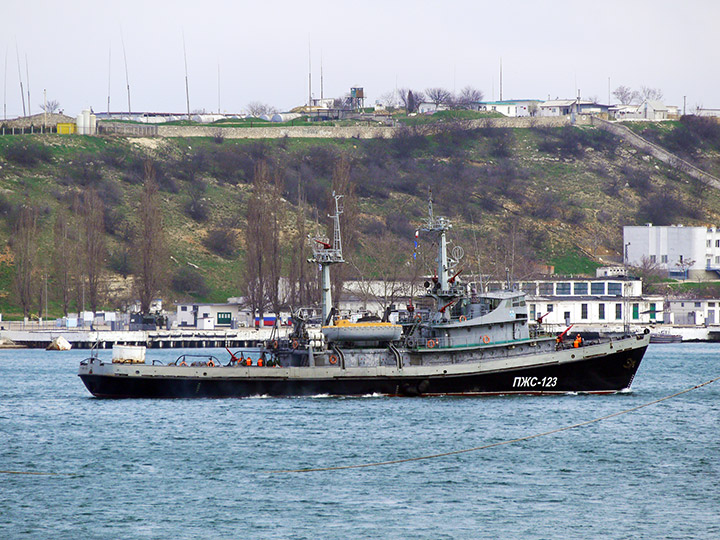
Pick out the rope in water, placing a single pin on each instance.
(501, 443)
(443, 454)
(38, 473)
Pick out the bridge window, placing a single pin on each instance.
(597, 287)
(580, 288)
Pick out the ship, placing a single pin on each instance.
(467, 343)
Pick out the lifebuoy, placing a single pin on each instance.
(333, 359)
(211, 363)
(275, 344)
(486, 339)
(463, 318)
(430, 343)
(295, 343)
(418, 317)
(183, 363)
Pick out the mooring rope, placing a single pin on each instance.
(442, 454)
(501, 443)
(38, 473)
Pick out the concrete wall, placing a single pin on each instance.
(326, 132)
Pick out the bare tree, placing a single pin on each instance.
(342, 185)
(439, 96)
(24, 247)
(625, 95)
(93, 252)
(276, 297)
(303, 282)
(410, 99)
(651, 94)
(63, 259)
(256, 243)
(468, 96)
(384, 272)
(51, 106)
(389, 99)
(257, 109)
(150, 242)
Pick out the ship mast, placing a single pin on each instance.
(326, 254)
(446, 289)
(439, 225)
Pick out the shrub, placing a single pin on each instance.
(198, 209)
(189, 281)
(27, 153)
(222, 242)
(119, 261)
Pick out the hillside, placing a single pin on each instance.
(519, 198)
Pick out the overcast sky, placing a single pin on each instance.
(260, 49)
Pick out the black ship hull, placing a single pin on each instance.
(603, 374)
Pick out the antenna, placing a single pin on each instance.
(27, 80)
(309, 75)
(22, 90)
(321, 76)
(501, 79)
(187, 89)
(109, 71)
(5, 86)
(218, 87)
(127, 79)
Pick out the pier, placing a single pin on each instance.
(152, 339)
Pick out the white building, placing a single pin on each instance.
(591, 303)
(513, 108)
(694, 312)
(208, 316)
(683, 252)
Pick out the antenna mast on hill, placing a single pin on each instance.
(109, 71)
(187, 88)
(22, 90)
(321, 76)
(127, 79)
(501, 78)
(309, 75)
(5, 86)
(27, 80)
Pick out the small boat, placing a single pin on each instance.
(665, 337)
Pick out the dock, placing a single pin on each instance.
(152, 339)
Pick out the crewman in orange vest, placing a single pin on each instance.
(578, 341)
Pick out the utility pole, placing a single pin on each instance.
(22, 90)
(684, 103)
(27, 80)
(309, 75)
(608, 91)
(109, 66)
(5, 88)
(127, 79)
(501, 79)
(187, 89)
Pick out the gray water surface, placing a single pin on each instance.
(189, 469)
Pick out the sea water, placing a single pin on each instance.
(189, 469)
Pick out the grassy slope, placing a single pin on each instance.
(575, 199)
